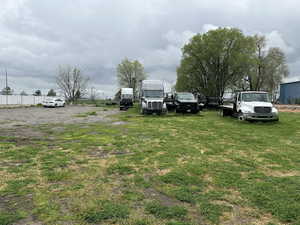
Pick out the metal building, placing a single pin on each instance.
(290, 93)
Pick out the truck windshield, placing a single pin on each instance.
(154, 94)
(255, 97)
(185, 96)
(127, 96)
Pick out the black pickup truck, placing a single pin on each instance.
(186, 102)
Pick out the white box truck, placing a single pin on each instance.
(152, 97)
(126, 100)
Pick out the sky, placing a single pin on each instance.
(36, 37)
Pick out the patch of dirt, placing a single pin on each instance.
(163, 199)
(276, 173)
(21, 125)
(101, 153)
(288, 108)
(163, 172)
(14, 117)
(28, 221)
(119, 123)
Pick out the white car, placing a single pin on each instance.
(54, 102)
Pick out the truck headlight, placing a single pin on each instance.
(247, 110)
(274, 110)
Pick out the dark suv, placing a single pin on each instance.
(186, 102)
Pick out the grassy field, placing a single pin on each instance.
(170, 170)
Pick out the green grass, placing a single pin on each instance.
(170, 170)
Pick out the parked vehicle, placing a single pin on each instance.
(250, 105)
(126, 100)
(152, 97)
(186, 102)
(169, 100)
(54, 102)
(212, 102)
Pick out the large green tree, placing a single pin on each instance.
(130, 73)
(51, 92)
(215, 61)
(7, 91)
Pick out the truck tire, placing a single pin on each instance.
(241, 116)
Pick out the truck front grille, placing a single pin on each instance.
(262, 109)
(155, 105)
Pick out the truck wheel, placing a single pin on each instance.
(241, 116)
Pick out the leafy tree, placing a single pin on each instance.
(71, 82)
(51, 92)
(268, 68)
(37, 93)
(130, 74)
(7, 91)
(23, 93)
(214, 61)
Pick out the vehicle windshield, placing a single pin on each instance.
(127, 96)
(185, 96)
(154, 94)
(255, 97)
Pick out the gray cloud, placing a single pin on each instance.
(38, 36)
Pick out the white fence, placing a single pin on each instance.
(21, 99)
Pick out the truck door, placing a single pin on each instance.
(238, 102)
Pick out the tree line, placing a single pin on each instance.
(226, 59)
(212, 63)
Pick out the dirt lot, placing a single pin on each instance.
(288, 108)
(15, 117)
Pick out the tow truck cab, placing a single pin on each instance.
(251, 105)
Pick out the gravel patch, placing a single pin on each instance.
(20, 117)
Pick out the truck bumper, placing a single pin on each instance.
(261, 117)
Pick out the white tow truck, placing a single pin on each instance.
(251, 106)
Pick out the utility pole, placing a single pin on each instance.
(6, 86)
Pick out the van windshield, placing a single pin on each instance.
(255, 97)
(153, 94)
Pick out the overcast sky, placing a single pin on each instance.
(36, 36)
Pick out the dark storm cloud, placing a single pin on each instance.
(37, 36)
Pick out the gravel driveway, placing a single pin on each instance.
(10, 118)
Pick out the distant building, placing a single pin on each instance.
(290, 93)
